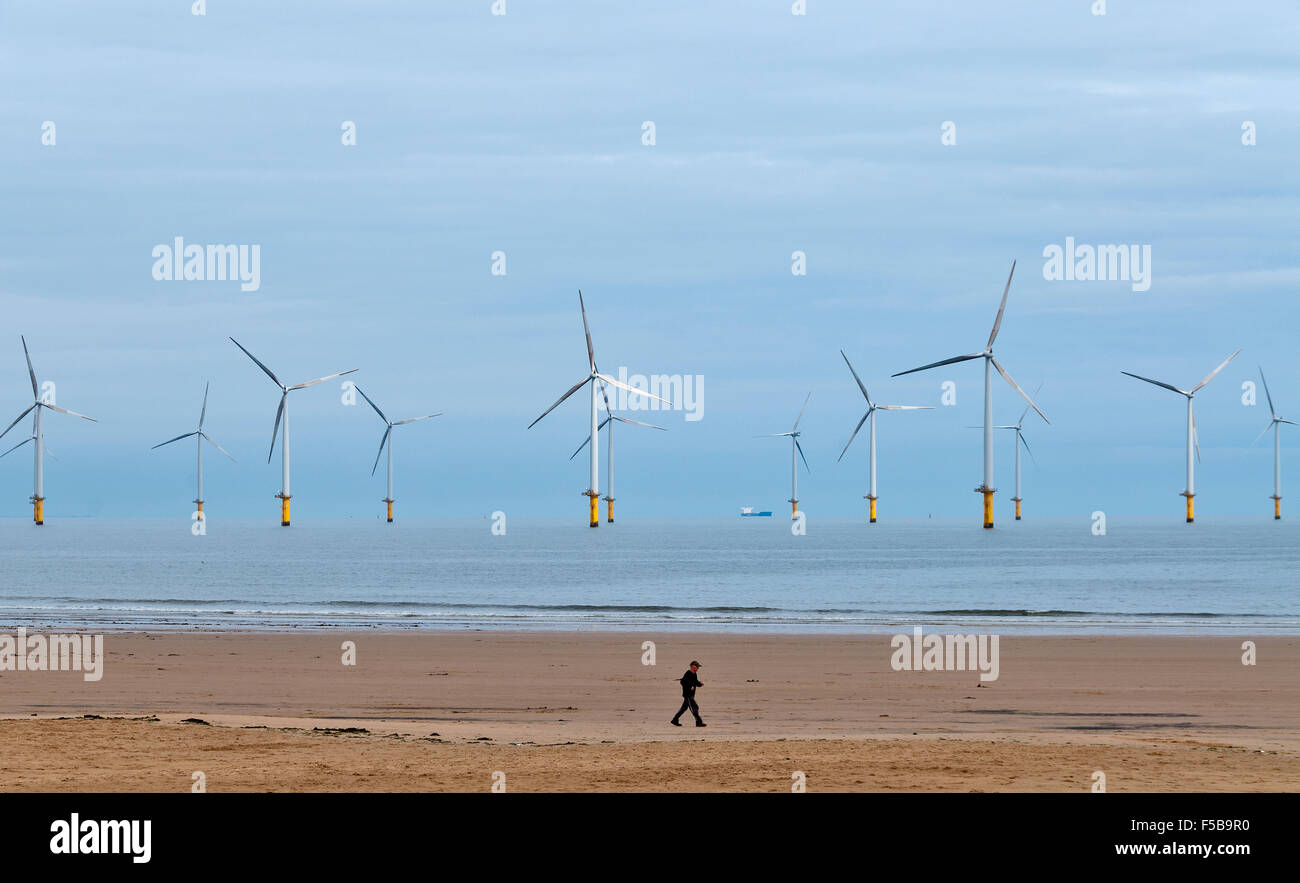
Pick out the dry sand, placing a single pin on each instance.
(578, 711)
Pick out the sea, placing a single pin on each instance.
(733, 574)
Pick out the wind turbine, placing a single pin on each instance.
(593, 489)
(609, 420)
(872, 408)
(199, 437)
(1020, 440)
(1275, 425)
(793, 435)
(283, 411)
(1192, 442)
(38, 404)
(388, 440)
(990, 363)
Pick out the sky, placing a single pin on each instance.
(523, 133)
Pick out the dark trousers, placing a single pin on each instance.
(688, 702)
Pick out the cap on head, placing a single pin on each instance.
(695, 664)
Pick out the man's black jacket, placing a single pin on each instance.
(689, 682)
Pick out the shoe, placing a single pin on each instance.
(674, 723)
(700, 724)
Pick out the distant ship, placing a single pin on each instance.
(748, 512)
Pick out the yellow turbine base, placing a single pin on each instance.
(609, 510)
(871, 509)
(593, 508)
(988, 508)
(1017, 510)
(1191, 509)
(390, 510)
(198, 510)
(1277, 508)
(794, 509)
(38, 510)
(284, 511)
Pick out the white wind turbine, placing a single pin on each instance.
(38, 437)
(609, 421)
(1020, 440)
(872, 408)
(593, 489)
(990, 363)
(388, 440)
(1275, 423)
(1192, 442)
(793, 435)
(199, 438)
(283, 411)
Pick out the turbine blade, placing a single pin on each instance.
(372, 404)
(1266, 429)
(586, 329)
(276, 429)
(31, 372)
(1156, 382)
(218, 447)
(997, 323)
(1266, 395)
(612, 382)
(857, 378)
(636, 422)
(580, 447)
(903, 407)
(259, 363)
(204, 412)
(323, 379)
(1016, 387)
(572, 390)
(1021, 421)
(66, 411)
(1020, 435)
(415, 419)
(770, 435)
(177, 438)
(1210, 376)
(16, 447)
(383, 441)
(799, 448)
(853, 436)
(30, 408)
(48, 451)
(951, 361)
(1290, 422)
(604, 394)
(801, 410)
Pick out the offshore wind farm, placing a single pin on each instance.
(413, 195)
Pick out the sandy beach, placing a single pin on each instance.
(579, 711)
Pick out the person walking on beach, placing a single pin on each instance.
(689, 682)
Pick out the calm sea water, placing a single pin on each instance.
(733, 574)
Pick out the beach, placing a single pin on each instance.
(429, 710)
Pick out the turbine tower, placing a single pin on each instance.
(593, 488)
(990, 363)
(199, 437)
(388, 440)
(1274, 424)
(283, 411)
(38, 437)
(872, 408)
(1192, 442)
(609, 421)
(793, 435)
